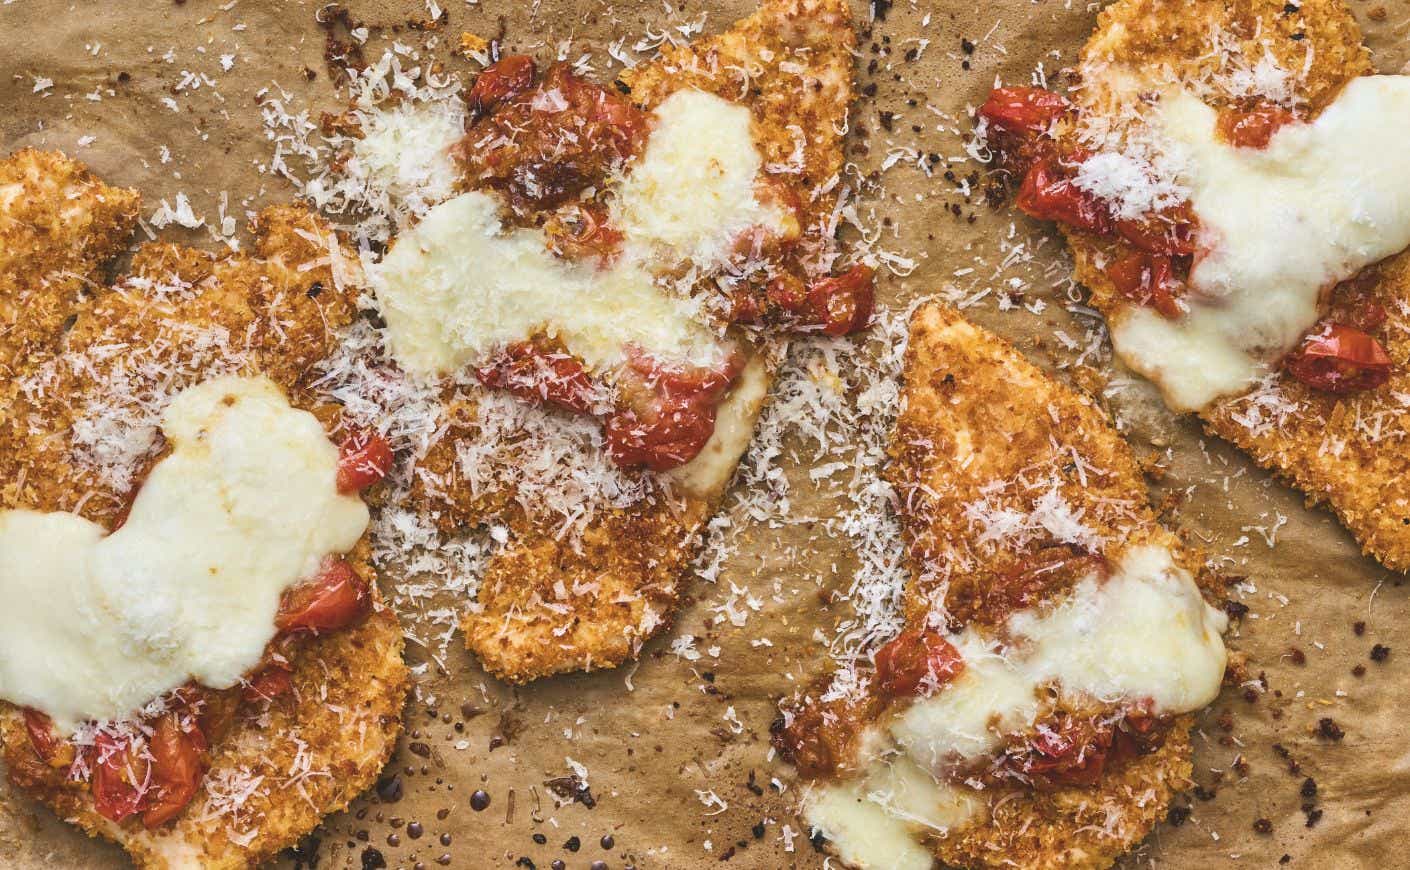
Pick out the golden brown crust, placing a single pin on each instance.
(551, 605)
(1346, 453)
(59, 226)
(178, 317)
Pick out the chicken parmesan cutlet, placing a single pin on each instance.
(1232, 182)
(616, 256)
(1035, 709)
(196, 661)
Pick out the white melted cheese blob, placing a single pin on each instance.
(459, 286)
(1144, 633)
(1278, 227)
(246, 505)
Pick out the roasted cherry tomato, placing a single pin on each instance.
(1255, 127)
(787, 292)
(1341, 360)
(335, 598)
(912, 659)
(843, 304)
(1048, 193)
(539, 374)
(364, 458)
(670, 412)
(1171, 232)
(1068, 755)
(1147, 279)
(1023, 110)
(41, 734)
(177, 766)
(119, 776)
(270, 682)
(509, 77)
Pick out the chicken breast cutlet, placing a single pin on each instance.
(1343, 448)
(82, 439)
(551, 602)
(1020, 506)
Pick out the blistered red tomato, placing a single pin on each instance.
(539, 374)
(333, 599)
(41, 733)
(1023, 110)
(119, 776)
(364, 458)
(509, 77)
(1340, 360)
(271, 682)
(1147, 279)
(843, 304)
(177, 766)
(671, 414)
(1170, 232)
(1048, 193)
(914, 661)
(1255, 127)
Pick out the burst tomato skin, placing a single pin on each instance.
(177, 766)
(269, 683)
(41, 734)
(1340, 360)
(1023, 110)
(510, 76)
(1255, 127)
(672, 414)
(1171, 233)
(1048, 193)
(1147, 279)
(118, 771)
(335, 598)
(843, 304)
(907, 660)
(364, 458)
(539, 374)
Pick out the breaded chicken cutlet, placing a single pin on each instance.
(1021, 506)
(1329, 418)
(552, 601)
(83, 437)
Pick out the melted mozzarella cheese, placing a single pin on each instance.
(459, 286)
(693, 192)
(1278, 227)
(1143, 634)
(244, 506)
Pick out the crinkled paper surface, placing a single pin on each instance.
(165, 97)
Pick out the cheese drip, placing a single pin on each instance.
(246, 504)
(1142, 634)
(1278, 227)
(459, 286)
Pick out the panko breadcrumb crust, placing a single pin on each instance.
(1348, 453)
(980, 425)
(547, 605)
(300, 759)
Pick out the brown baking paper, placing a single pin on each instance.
(676, 751)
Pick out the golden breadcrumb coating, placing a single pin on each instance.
(550, 605)
(1349, 453)
(59, 227)
(179, 317)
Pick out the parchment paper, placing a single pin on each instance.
(675, 778)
